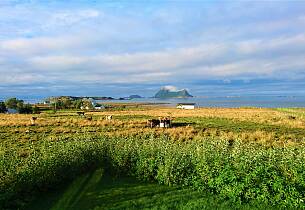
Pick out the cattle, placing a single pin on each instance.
(165, 122)
(162, 122)
(80, 113)
(153, 123)
(89, 118)
(109, 117)
(33, 120)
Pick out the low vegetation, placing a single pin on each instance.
(254, 159)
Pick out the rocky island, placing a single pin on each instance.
(165, 92)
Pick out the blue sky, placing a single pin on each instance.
(117, 48)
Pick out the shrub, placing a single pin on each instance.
(25, 109)
(3, 108)
(238, 171)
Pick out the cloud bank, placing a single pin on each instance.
(66, 47)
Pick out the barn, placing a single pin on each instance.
(186, 106)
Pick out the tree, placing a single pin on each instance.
(13, 103)
(66, 102)
(87, 104)
(3, 108)
(77, 103)
(25, 109)
(35, 110)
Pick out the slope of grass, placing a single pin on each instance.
(215, 154)
(236, 171)
(96, 190)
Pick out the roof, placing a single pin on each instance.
(186, 104)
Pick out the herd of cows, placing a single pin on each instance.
(161, 122)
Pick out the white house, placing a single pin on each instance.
(99, 107)
(186, 106)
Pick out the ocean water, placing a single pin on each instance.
(228, 102)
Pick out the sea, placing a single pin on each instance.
(212, 101)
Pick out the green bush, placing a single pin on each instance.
(239, 172)
(3, 108)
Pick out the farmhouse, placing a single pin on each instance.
(186, 106)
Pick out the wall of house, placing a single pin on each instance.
(186, 107)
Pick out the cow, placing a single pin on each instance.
(89, 118)
(109, 117)
(80, 113)
(165, 122)
(33, 119)
(153, 123)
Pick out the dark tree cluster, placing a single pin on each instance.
(16, 104)
(3, 108)
(69, 103)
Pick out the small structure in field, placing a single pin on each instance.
(186, 106)
(162, 122)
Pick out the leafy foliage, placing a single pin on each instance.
(3, 108)
(220, 155)
(240, 172)
(13, 103)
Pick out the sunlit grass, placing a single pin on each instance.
(62, 145)
(97, 190)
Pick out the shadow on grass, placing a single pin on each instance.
(182, 124)
(97, 190)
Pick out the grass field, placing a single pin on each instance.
(96, 190)
(244, 158)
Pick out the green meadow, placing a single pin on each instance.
(210, 159)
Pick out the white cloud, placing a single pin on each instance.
(170, 88)
(280, 44)
(38, 45)
(21, 78)
(72, 17)
(225, 61)
(107, 45)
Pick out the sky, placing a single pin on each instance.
(120, 47)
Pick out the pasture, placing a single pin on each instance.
(244, 158)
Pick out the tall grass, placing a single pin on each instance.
(239, 172)
(234, 170)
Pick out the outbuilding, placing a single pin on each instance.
(186, 106)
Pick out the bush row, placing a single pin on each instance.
(237, 171)
(240, 172)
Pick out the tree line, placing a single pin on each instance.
(56, 103)
(18, 105)
(69, 103)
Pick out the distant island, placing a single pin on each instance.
(95, 98)
(74, 98)
(165, 92)
(135, 96)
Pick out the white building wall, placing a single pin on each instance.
(186, 107)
